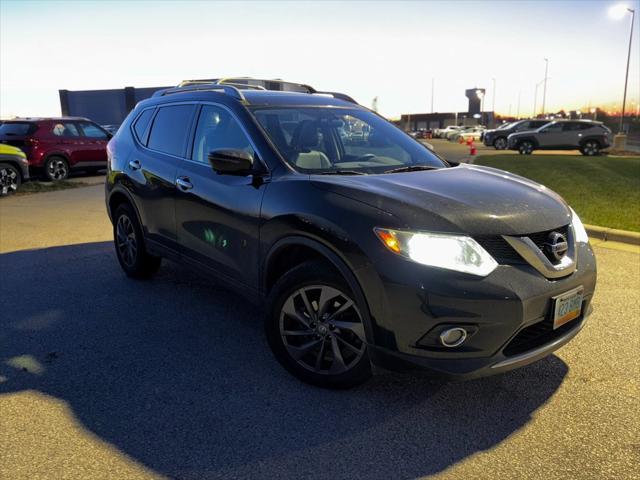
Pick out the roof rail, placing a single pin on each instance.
(203, 87)
(340, 96)
(233, 85)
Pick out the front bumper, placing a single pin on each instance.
(507, 314)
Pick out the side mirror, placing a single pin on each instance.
(231, 162)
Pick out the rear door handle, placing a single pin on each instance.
(135, 165)
(184, 184)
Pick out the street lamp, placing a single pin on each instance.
(594, 112)
(544, 91)
(618, 12)
(493, 101)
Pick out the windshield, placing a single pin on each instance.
(337, 140)
(504, 125)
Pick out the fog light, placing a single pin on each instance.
(453, 337)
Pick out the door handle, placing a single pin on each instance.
(135, 165)
(184, 184)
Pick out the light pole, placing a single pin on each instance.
(493, 101)
(617, 12)
(544, 91)
(518, 110)
(432, 82)
(535, 97)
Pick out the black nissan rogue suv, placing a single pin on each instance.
(363, 245)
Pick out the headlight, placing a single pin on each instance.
(578, 228)
(453, 252)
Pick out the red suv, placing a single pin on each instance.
(54, 146)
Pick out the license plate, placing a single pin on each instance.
(567, 307)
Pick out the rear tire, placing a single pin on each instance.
(10, 179)
(56, 169)
(590, 148)
(315, 329)
(500, 143)
(525, 147)
(129, 243)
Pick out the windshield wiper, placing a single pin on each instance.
(341, 172)
(411, 168)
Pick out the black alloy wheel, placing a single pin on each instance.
(315, 328)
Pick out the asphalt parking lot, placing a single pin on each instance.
(106, 377)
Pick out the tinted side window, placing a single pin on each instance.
(217, 129)
(65, 129)
(554, 127)
(169, 129)
(523, 126)
(17, 128)
(575, 126)
(141, 124)
(91, 131)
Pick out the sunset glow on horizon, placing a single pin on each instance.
(387, 50)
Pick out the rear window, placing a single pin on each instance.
(142, 122)
(17, 128)
(169, 130)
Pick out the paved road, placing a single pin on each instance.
(106, 377)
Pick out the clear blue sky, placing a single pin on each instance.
(387, 49)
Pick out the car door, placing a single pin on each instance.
(67, 138)
(152, 167)
(218, 216)
(97, 139)
(572, 134)
(551, 136)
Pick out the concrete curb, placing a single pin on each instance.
(613, 235)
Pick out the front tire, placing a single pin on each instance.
(500, 143)
(9, 179)
(525, 147)
(130, 248)
(315, 328)
(590, 148)
(56, 169)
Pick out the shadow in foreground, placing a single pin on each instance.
(175, 372)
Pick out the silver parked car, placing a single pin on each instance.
(585, 135)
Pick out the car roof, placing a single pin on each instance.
(252, 98)
(46, 119)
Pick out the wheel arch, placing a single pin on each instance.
(14, 163)
(593, 138)
(117, 197)
(56, 153)
(528, 139)
(290, 251)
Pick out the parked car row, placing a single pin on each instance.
(525, 136)
(53, 147)
(587, 136)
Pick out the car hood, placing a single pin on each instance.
(465, 199)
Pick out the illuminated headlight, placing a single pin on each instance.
(578, 228)
(453, 252)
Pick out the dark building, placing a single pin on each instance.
(473, 116)
(106, 107)
(475, 96)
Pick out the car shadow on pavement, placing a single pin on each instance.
(176, 373)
